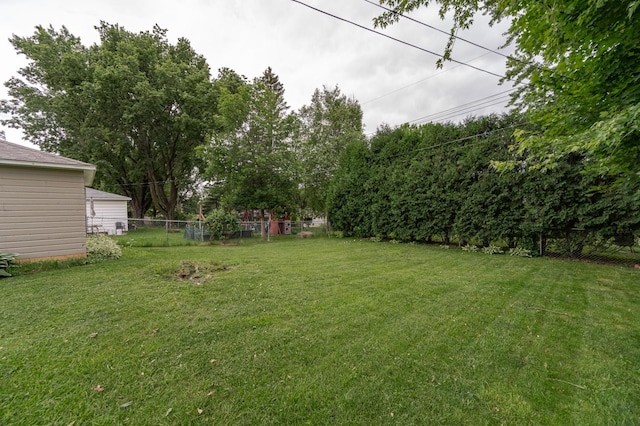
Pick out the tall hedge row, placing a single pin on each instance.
(417, 183)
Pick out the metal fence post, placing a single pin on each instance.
(540, 245)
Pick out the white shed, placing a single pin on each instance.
(106, 212)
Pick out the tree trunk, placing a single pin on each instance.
(137, 209)
(165, 204)
(140, 200)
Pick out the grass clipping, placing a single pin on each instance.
(198, 272)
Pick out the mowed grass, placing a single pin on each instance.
(321, 331)
(155, 237)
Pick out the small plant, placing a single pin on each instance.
(336, 234)
(520, 252)
(470, 248)
(492, 250)
(6, 260)
(102, 247)
(375, 239)
(394, 241)
(444, 246)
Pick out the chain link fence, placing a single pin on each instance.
(148, 232)
(575, 244)
(581, 244)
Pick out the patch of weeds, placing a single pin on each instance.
(520, 252)
(444, 246)
(375, 239)
(470, 248)
(394, 241)
(492, 250)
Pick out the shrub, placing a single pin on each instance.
(6, 260)
(492, 250)
(223, 223)
(519, 251)
(102, 247)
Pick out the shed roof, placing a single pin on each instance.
(104, 196)
(12, 154)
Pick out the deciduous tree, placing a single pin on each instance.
(328, 124)
(134, 104)
(576, 64)
(253, 158)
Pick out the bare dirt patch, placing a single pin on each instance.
(198, 272)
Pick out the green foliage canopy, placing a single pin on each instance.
(252, 158)
(577, 65)
(328, 124)
(134, 104)
(437, 180)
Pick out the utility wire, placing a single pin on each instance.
(468, 110)
(460, 109)
(145, 183)
(397, 39)
(439, 30)
(419, 81)
(471, 104)
(477, 135)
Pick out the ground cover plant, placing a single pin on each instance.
(6, 260)
(320, 331)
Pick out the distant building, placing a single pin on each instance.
(106, 212)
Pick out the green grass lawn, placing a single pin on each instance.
(155, 237)
(321, 331)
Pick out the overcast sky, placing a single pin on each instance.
(393, 83)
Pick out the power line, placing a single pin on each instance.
(465, 108)
(145, 183)
(398, 40)
(419, 81)
(472, 104)
(439, 30)
(468, 110)
(477, 135)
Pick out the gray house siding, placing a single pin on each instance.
(42, 212)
